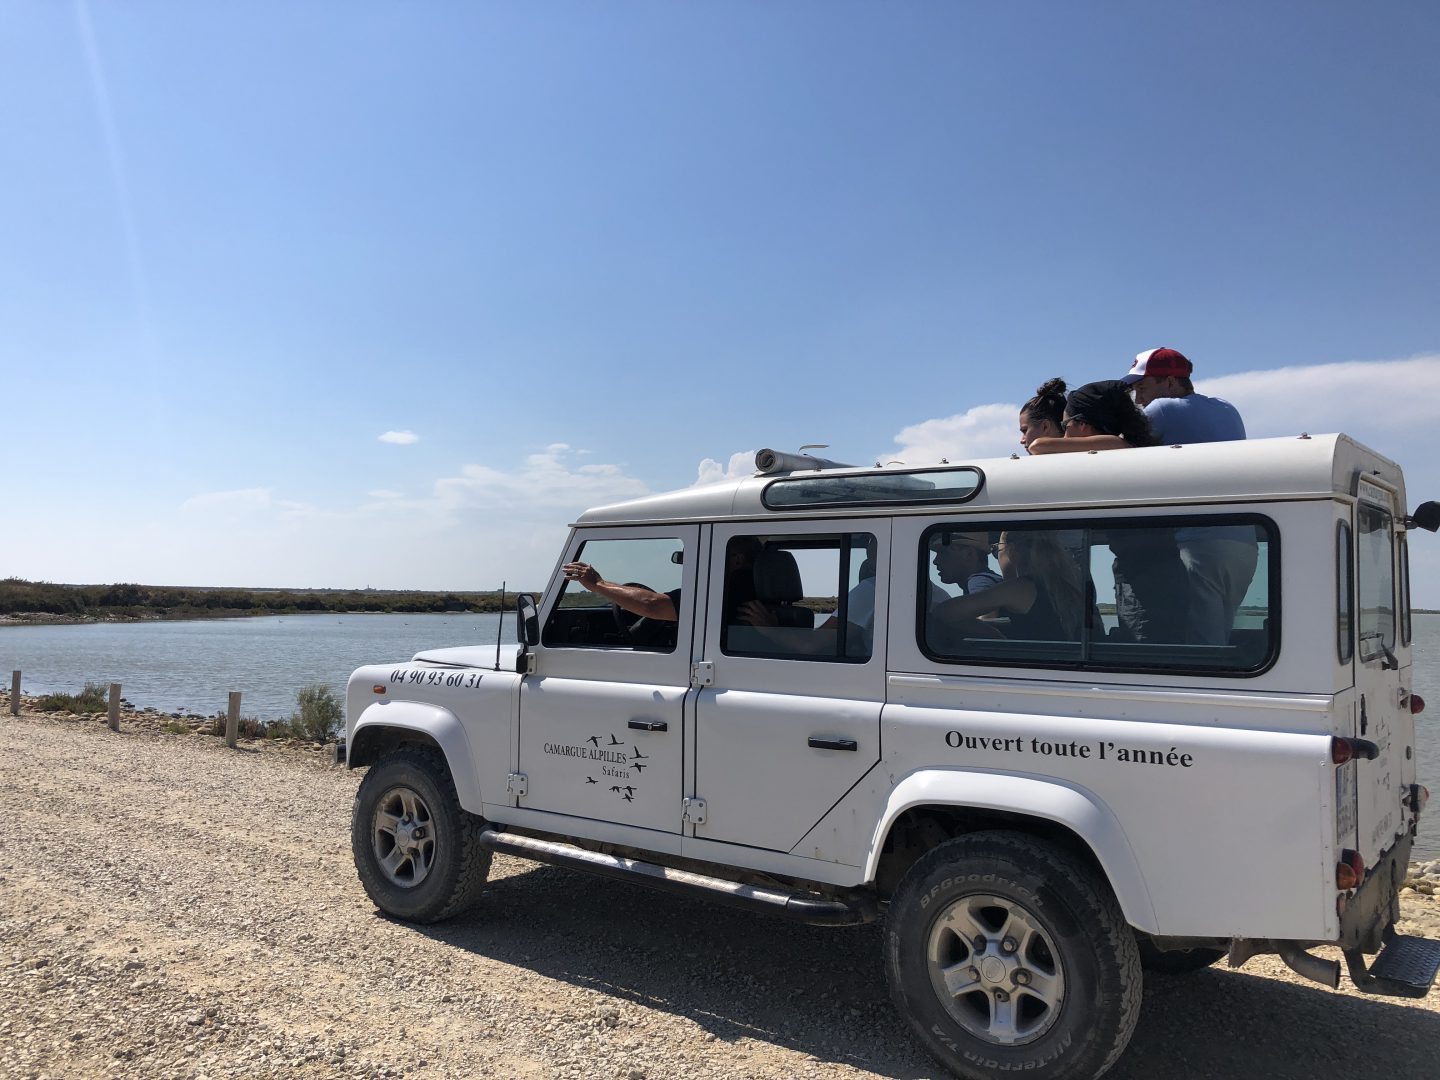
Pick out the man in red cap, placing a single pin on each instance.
(1160, 380)
(1219, 560)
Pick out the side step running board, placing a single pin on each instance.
(1406, 967)
(802, 907)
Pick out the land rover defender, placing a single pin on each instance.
(1054, 720)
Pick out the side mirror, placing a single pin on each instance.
(527, 620)
(1426, 516)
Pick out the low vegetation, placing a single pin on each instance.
(94, 698)
(127, 601)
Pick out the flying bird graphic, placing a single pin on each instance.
(628, 798)
(639, 756)
(638, 767)
(591, 780)
(614, 741)
(594, 740)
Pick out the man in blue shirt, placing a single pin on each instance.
(1160, 381)
(1219, 559)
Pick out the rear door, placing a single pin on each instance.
(1379, 717)
(792, 720)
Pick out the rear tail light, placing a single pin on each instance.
(1419, 796)
(1343, 749)
(1350, 870)
(1417, 704)
(378, 688)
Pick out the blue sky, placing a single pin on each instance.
(581, 251)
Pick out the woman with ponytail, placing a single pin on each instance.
(1041, 416)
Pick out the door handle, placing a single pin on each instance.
(649, 725)
(833, 744)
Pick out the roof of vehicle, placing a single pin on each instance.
(1297, 467)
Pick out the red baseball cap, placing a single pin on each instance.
(1160, 363)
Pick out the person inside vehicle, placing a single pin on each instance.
(636, 599)
(1220, 561)
(1151, 584)
(1041, 416)
(962, 558)
(1041, 593)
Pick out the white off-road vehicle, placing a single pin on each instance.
(1054, 719)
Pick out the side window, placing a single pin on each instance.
(799, 597)
(1375, 575)
(1191, 594)
(1344, 594)
(582, 618)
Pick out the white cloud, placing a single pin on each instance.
(400, 438)
(1380, 398)
(546, 480)
(741, 465)
(980, 432)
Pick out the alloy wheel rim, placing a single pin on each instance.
(402, 835)
(994, 967)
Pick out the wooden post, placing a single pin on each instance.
(114, 706)
(15, 693)
(232, 719)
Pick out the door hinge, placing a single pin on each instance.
(702, 673)
(525, 663)
(517, 784)
(693, 811)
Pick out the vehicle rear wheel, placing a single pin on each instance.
(417, 852)
(1006, 954)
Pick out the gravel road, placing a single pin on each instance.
(169, 908)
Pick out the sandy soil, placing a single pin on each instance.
(169, 908)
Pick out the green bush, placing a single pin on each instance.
(246, 727)
(94, 698)
(318, 716)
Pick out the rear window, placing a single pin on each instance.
(1194, 594)
(1375, 575)
(1344, 594)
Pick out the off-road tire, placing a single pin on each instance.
(1175, 961)
(1076, 938)
(456, 867)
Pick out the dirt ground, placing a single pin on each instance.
(170, 908)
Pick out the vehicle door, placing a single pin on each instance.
(1379, 717)
(600, 718)
(794, 635)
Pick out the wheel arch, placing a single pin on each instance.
(933, 805)
(386, 726)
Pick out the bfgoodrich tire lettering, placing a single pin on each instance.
(1007, 955)
(417, 852)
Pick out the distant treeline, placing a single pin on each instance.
(18, 597)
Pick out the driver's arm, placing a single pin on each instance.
(635, 599)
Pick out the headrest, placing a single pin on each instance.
(777, 577)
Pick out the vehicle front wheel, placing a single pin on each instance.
(417, 852)
(1007, 955)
